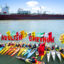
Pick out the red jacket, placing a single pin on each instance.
(41, 49)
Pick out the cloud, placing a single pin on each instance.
(32, 3)
(37, 8)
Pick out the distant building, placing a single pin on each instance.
(5, 10)
(21, 11)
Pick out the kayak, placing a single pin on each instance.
(28, 51)
(43, 55)
(24, 51)
(62, 55)
(15, 51)
(58, 55)
(29, 60)
(6, 50)
(1, 48)
(31, 53)
(53, 54)
(9, 50)
(48, 55)
(26, 60)
(12, 51)
(21, 50)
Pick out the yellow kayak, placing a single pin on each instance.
(6, 49)
(62, 55)
(21, 50)
(43, 55)
(24, 51)
(2, 49)
(6, 45)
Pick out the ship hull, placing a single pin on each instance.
(30, 17)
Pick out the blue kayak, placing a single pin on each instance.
(1, 48)
(31, 53)
(28, 51)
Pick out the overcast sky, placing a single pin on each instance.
(51, 6)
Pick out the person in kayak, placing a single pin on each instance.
(0, 45)
(34, 46)
(3, 45)
(57, 48)
(53, 47)
(30, 46)
(41, 50)
(23, 45)
(34, 61)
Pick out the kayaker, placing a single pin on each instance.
(18, 45)
(23, 45)
(9, 44)
(34, 46)
(53, 47)
(41, 49)
(57, 48)
(0, 45)
(45, 47)
(29, 34)
(48, 48)
(26, 45)
(34, 61)
(30, 46)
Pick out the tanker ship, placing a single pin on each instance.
(26, 15)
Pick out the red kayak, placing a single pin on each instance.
(9, 50)
(15, 51)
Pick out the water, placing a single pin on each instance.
(54, 26)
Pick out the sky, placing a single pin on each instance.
(50, 6)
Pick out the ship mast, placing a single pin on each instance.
(40, 10)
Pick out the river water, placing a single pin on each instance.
(54, 26)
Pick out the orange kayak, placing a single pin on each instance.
(15, 51)
(6, 50)
(62, 55)
(12, 51)
(9, 50)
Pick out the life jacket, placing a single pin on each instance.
(41, 49)
(53, 47)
